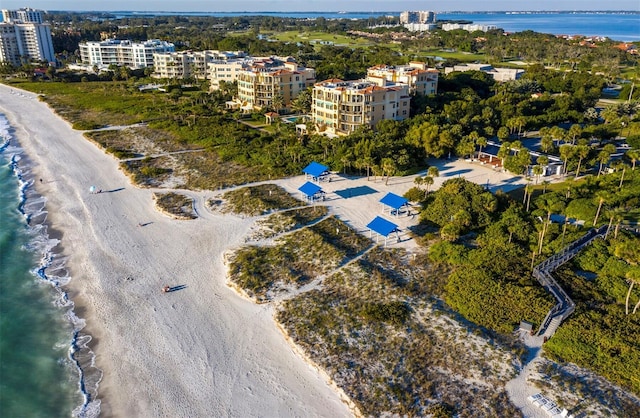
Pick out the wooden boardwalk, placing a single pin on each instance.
(542, 272)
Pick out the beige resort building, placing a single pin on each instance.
(416, 75)
(186, 64)
(340, 107)
(264, 79)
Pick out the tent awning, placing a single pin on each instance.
(310, 189)
(315, 169)
(394, 201)
(382, 226)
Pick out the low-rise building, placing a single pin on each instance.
(498, 74)
(416, 75)
(469, 27)
(340, 107)
(186, 64)
(267, 78)
(123, 52)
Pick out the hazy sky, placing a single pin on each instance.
(320, 5)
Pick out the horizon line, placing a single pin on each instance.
(356, 11)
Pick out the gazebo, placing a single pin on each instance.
(271, 117)
(394, 203)
(316, 171)
(382, 227)
(311, 191)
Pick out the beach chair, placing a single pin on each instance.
(534, 397)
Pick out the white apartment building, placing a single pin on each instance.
(340, 107)
(420, 27)
(24, 15)
(266, 78)
(184, 64)
(227, 71)
(416, 75)
(421, 16)
(25, 42)
(469, 27)
(498, 74)
(123, 52)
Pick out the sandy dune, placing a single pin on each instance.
(203, 350)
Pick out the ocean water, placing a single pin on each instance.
(620, 26)
(41, 345)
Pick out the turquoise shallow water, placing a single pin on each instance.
(39, 373)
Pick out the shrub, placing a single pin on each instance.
(393, 312)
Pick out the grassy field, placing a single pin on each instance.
(319, 38)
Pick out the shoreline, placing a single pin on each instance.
(54, 270)
(202, 351)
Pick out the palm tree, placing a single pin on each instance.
(549, 203)
(631, 254)
(633, 277)
(389, 167)
(604, 155)
(433, 171)
(620, 165)
(582, 152)
(504, 151)
(418, 181)
(558, 133)
(615, 215)
(566, 152)
(428, 180)
(574, 131)
(602, 196)
(368, 163)
(277, 103)
(633, 155)
(481, 142)
(537, 171)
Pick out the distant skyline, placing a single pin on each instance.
(321, 5)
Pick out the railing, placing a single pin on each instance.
(542, 272)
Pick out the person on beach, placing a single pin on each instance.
(166, 289)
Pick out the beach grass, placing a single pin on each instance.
(176, 205)
(148, 172)
(258, 200)
(287, 220)
(378, 330)
(295, 259)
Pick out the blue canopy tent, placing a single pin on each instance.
(316, 171)
(394, 202)
(382, 227)
(311, 191)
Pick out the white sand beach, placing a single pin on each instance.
(200, 351)
(203, 350)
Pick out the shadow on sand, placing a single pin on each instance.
(176, 288)
(355, 191)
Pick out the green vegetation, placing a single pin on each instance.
(177, 205)
(295, 259)
(319, 38)
(373, 327)
(600, 335)
(288, 220)
(258, 200)
(377, 324)
(147, 171)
